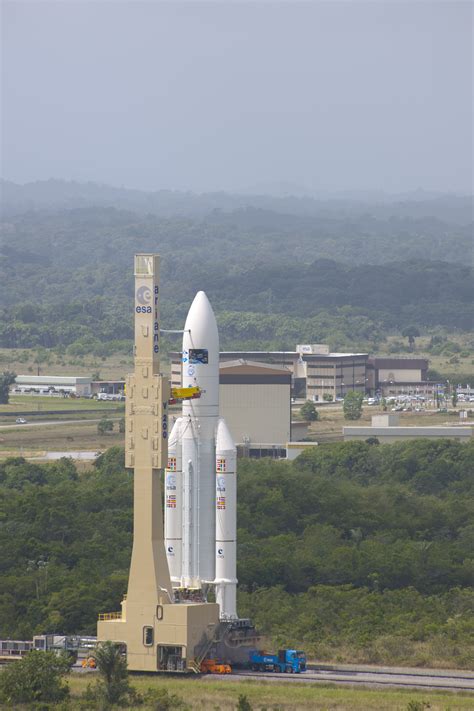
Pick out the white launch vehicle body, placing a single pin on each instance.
(199, 442)
(200, 367)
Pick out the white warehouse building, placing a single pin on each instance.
(78, 385)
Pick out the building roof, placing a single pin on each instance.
(381, 362)
(256, 355)
(290, 353)
(433, 431)
(247, 372)
(51, 380)
(249, 367)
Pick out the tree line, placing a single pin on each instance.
(368, 547)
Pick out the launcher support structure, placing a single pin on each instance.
(158, 634)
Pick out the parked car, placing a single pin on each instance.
(20, 421)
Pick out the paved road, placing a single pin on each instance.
(49, 423)
(446, 681)
(429, 679)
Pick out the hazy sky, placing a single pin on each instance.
(330, 95)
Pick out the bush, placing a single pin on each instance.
(104, 426)
(309, 412)
(112, 667)
(36, 677)
(353, 405)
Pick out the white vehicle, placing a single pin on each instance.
(20, 421)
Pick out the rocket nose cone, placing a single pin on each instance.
(224, 439)
(202, 324)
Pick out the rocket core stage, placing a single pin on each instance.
(200, 479)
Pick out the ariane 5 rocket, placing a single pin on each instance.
(200, 479)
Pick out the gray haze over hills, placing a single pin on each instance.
(283, 210)
(305, 99)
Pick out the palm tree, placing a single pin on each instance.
(411, 332)
(112, 666)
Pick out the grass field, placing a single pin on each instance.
(82, 435)
(78, 436)
(210, 694)
(25, 361)
(39, 403)
(441, 363)
(331, 420)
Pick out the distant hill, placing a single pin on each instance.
(281, 198)
(278, 270)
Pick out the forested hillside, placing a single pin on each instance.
(274, 278)
(56, 195)
(353, 551)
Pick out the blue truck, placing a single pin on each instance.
(290, 661)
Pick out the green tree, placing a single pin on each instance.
(454, 397)
(411, 332)
(112, 667)
(38, 677)
(353, 405)
(243, 703)
(309, 412)
(327, 397)
(105, 425)
(7, 378)
(122, 425)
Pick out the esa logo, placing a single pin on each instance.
(170, 550)
(220, 552)
(143, 297)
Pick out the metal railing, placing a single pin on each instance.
(110, 616)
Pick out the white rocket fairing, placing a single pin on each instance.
(200, 546)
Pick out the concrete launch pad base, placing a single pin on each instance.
(164, 637)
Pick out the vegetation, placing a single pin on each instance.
(353, 551)
(38, 677)
(262, 284)
(113, 686)
(214, 693)
(411, 332)
(308, 411)
(105, 425)
(353, 405)
(6, 379)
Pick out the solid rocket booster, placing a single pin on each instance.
(198, 428)
(174, 502)
(226, 522)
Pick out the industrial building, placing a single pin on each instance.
(386, 429)
(399, 376)
(318, 374)
(255, 400)
(315, 371)
(77, 385)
